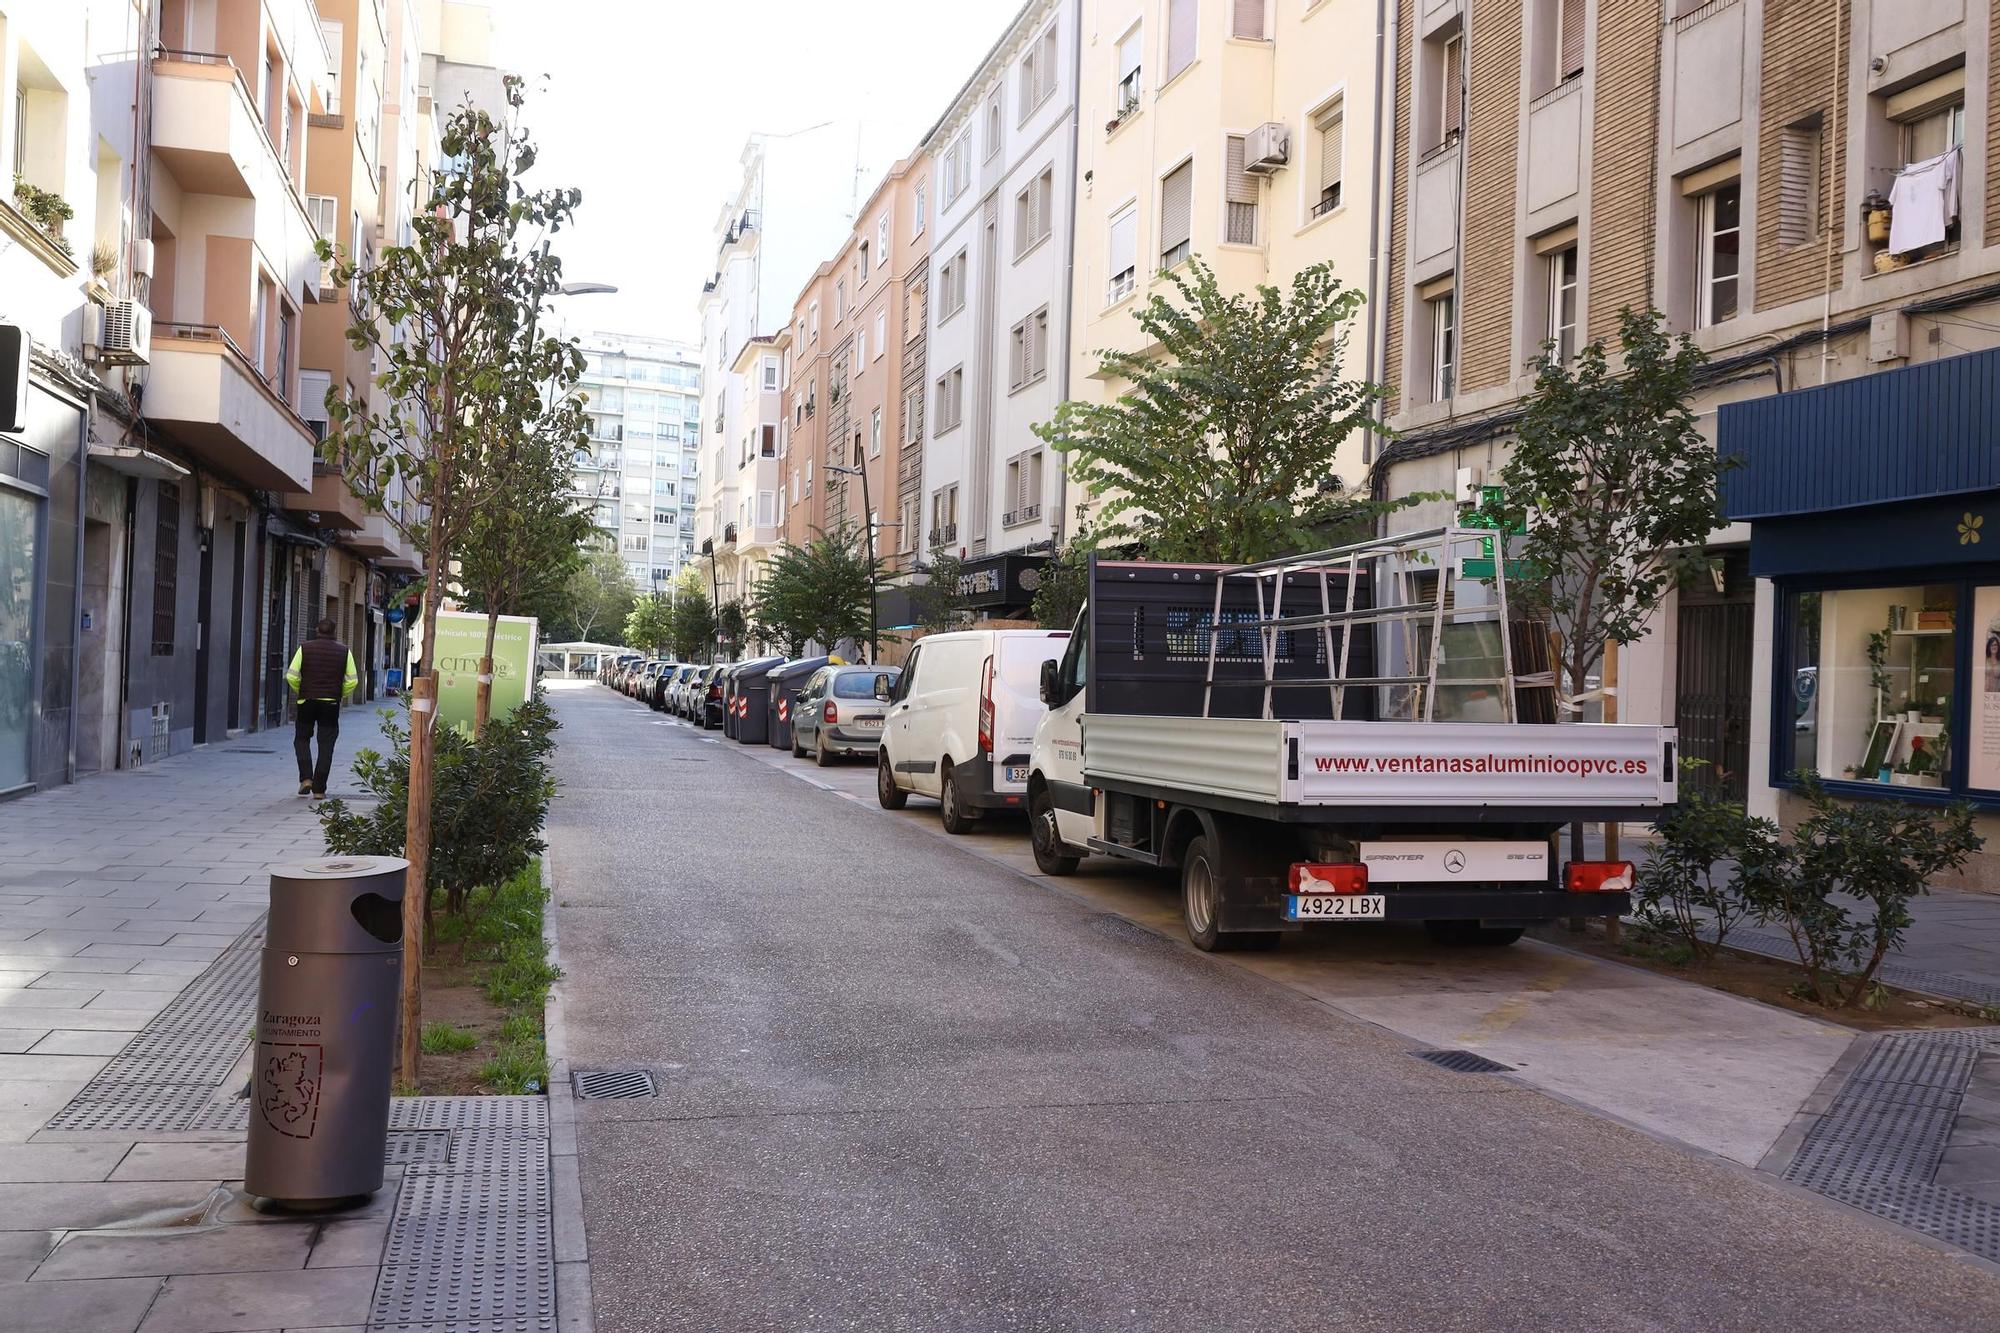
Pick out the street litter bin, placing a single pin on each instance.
(326, 1031)
(788, 681)
(753, 693)
(728, 682)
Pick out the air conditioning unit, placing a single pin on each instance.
(142, 259)
(123, 333)
(1267, 148)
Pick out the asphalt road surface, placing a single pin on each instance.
(902, 1087)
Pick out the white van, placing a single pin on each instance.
(962, 721)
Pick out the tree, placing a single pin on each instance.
(693, 618)
(600, 592)
(732, 623)
(938, 602)
(650, 626)
(1230, 442)
(818, 592)
(1617, 488)
(1065, 583)
(443, 317)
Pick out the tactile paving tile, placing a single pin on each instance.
(530, 1113)
(466, 1247)
(417, 1147)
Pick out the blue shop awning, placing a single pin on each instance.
(1912, 434)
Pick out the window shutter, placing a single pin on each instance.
(1249, 19)
(1040, 343)
(1180, 35)
(1015, 349)
(1047, 66)
(1241, 192)
(1571, 52)
(1454, 86)
(1124, 242)
(1128, 54)
(1331, 124)
(1176, 208)
(1798, 183)
(1034, 214)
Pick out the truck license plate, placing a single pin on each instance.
(1336, 907)
(1017, 773)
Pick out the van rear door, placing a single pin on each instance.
(1017, 701)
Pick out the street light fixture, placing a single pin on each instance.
(860, 469)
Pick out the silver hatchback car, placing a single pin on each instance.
(838, 713)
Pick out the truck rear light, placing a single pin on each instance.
(1599, 876)
(986, 708)
(1347, 877)
(831, 713)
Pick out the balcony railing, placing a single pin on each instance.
(1025, 514)
(948, 533)
(729, 535)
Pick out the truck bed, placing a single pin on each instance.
(1420, 767)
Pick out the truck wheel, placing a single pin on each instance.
(1201, 896)
(887, 794)
(1052, 855)
(1470, 934)
(957, 819)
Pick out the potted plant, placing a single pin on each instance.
(1875, 208)
(1937, 614)
(1921, 768)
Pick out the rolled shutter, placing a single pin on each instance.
(1180, 35)
(1124, 242)
(1454, 86)
(1572, 38)
(1248, 19)
(1128, 55)
(1331, 125)
(1176, 209)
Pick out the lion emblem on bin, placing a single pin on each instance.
(288, 1082)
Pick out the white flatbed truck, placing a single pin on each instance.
(1196, 725)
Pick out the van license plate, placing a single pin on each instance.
(1336, 907)
(1017, 773)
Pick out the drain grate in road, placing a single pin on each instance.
(613, 1083)
(1462, 1062)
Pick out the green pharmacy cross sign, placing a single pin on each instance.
(1490, 513)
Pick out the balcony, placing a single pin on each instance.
(211, 397)
(729, 535)
(330, 503)
(1025, 514)
(375, 538)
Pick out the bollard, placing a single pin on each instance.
(326, 1031)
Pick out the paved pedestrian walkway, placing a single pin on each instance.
(130, 921)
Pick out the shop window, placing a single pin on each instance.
(20, 517)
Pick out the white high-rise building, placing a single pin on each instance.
(643, 462)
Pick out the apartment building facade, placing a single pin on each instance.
(641, 466)
(1003, 195)
(1801, 186)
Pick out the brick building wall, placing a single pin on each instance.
(1492, 143)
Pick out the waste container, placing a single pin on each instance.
(728, 682)
(326, 1031)
(753, 692)
(788, 679)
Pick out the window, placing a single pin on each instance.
(1934, 132)
(1719, 226)
(1124, 254)
(1443, 310)
(1330, 128)
(635, 541)
(1562, 301)
(881, 333)
(944, 514)
(955, 170)
(770, 374)
(1130, 69)
(809, 476)
(1023, 496)
(767, 508)
(913, 416)
(334, 33)
(860, 348)
(1558, 57)
(994, 135)
(917, 202)
(864, 261)
(1800, 147)
(840, 300)
(665, 518)
(875, 433)
(951, 286)
(1240, 195)
(284, 366)
(767, 445)
(1451, 87)
(812, 313)
(882, 241)
(1038, 74)
(1176, 214)
(950, 399)
(1246, 19)
(1181, 15)
(1034, 213)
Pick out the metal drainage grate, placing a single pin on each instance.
(613, 1083)
(1462, 1062)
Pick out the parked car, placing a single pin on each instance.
(673, 693)
(961, 722)
(612, 671)
(656, 678)
(840, 713)
(708, 696)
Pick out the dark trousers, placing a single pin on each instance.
(322, 715)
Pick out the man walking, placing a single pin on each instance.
(322, 674)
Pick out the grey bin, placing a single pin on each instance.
(326, 1031)
(788, 681)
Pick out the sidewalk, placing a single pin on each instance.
(130, 924)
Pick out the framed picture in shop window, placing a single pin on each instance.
(1982, 751)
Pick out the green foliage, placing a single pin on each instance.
(1881, 852)
(1229, 444)
(1065, 584)
(816, 592)
(732, 623)
(596, 598)
(443, 1037)
(650, 626)
(520, 1068)
(507, 940)
(937, 602)
(1618, 487)
(49, 209)
(693, 619)
(1711, 851)
(489, 799)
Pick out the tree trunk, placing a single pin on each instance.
(417, 831)
(482, 707)
(1612, 925)
(1578, 674)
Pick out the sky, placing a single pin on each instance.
(645, 105)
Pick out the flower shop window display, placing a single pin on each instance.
(1895, 686)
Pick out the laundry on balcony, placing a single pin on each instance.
(1924, 202)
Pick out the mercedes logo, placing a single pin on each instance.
(1454, 860)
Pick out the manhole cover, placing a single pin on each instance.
(1462, 1062)
(613, 1083)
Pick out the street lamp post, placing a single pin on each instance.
(860, 469)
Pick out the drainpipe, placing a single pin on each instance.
(1387, 25)
(1061, 517)
(76, 610)
(125, 656)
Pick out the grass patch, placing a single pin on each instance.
(442, 1037)
(504, 953)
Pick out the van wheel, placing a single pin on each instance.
(957, 819)
(1052, 854)
(887, 794)
(1470, 934)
